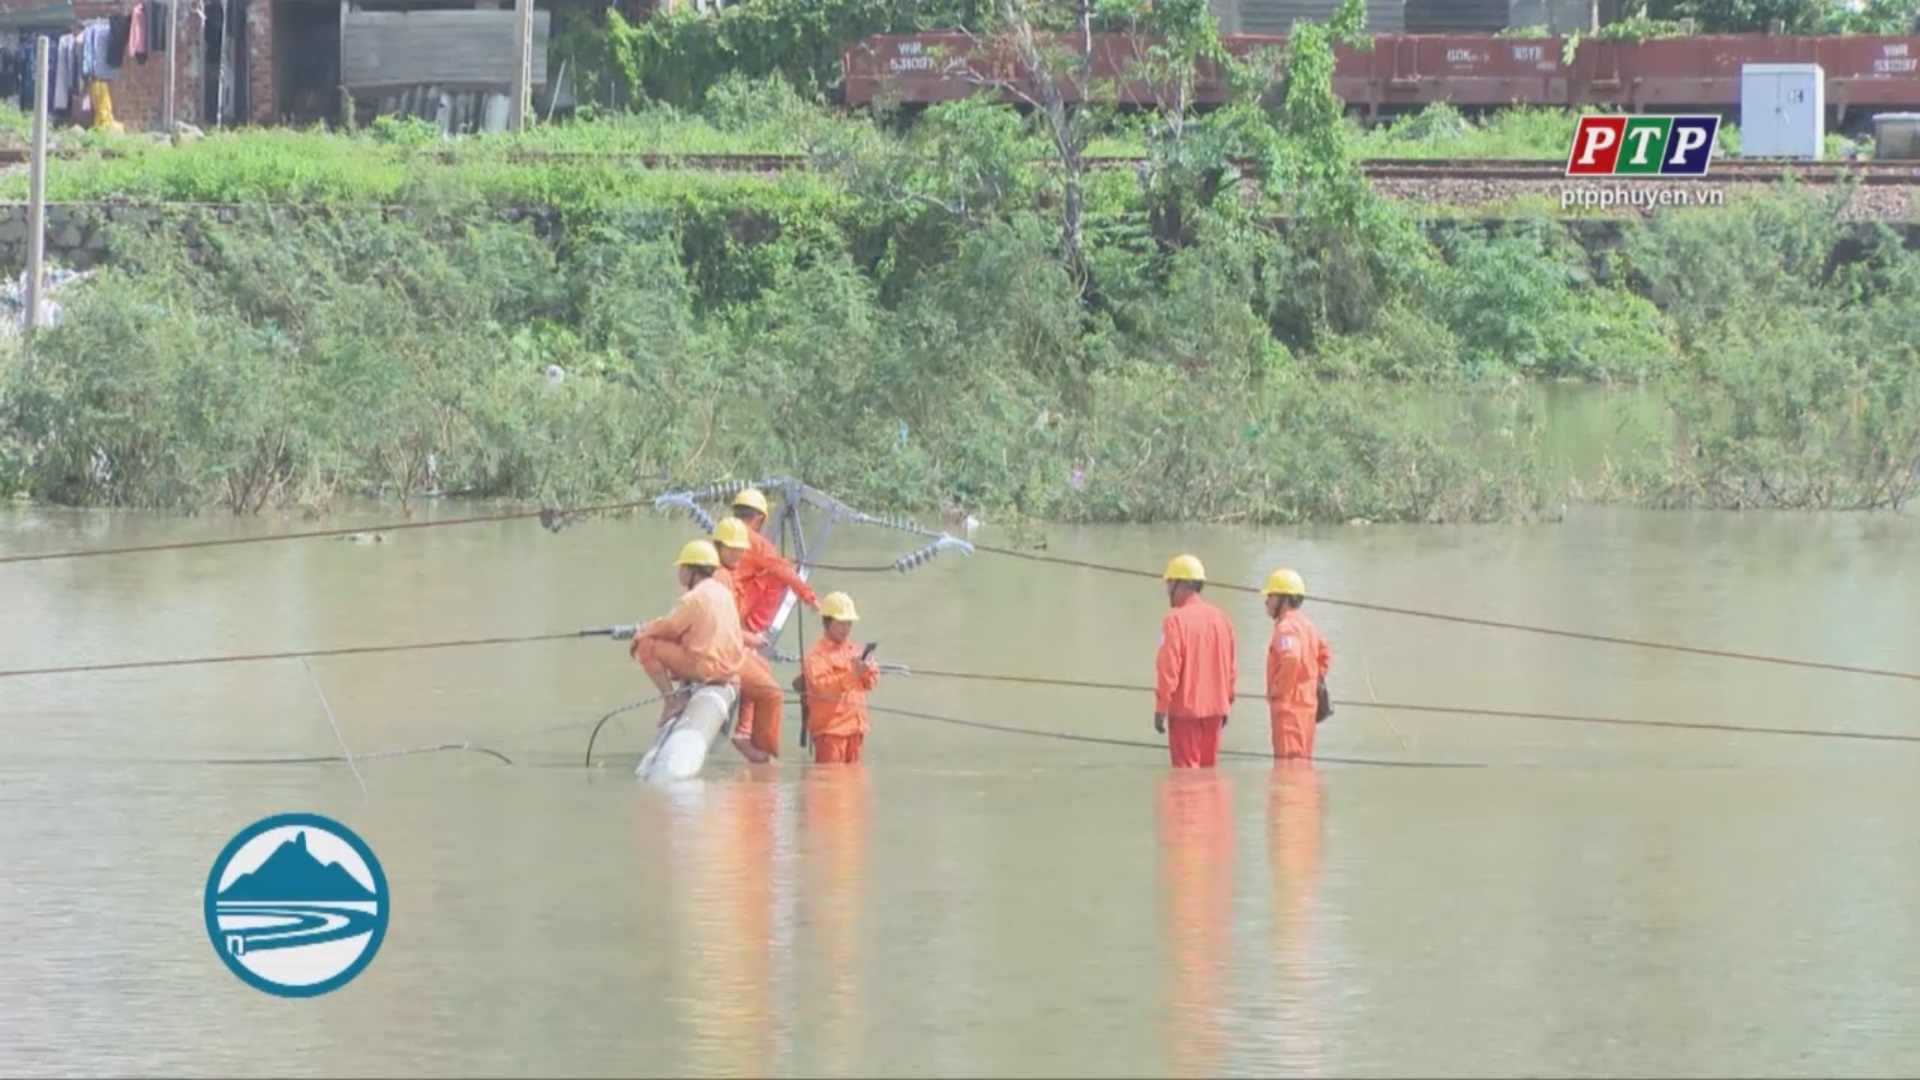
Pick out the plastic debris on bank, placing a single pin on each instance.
(13, 298)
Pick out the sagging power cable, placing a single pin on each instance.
(294, 654)
(1030, 680)
(1444, 710)
(555, 519)
(549, 517)
(1439, 616)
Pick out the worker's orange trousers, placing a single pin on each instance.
(837, 749)
(1292, 733)
(759, 706)
(669, 658)
(1194, 744)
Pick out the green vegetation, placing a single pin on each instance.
(963, 309)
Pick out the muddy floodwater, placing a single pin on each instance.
(1454, 896)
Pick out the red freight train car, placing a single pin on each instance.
(1865, 75)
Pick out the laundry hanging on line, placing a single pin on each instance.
(82, 59)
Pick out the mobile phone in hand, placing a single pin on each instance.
(867, 653)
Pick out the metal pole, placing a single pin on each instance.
(523, 64)
(173, 65)
(37, 185)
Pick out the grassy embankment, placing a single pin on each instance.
(922, 315)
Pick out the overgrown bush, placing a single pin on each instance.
(311, 357)
(960, 311)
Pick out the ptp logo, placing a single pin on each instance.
(1642, 145)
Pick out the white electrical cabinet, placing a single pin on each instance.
(1783, 110)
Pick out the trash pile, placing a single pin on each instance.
(13, 298)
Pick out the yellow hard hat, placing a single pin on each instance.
(838, 605)
(1284, 583)
(751, 499)
(698, 553)
(731, 532)
(1185, 568)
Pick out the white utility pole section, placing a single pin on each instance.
(522, 107)
(173, 66)
(37, 187)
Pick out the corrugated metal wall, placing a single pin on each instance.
(1457, 16)
(1278, 16)
(1556, 16)
(449, 49)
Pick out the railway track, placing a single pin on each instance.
(1728, 170)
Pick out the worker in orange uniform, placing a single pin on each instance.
(699, 641)
(1193, 688)
(764, 575)
(1297, 664)
(757, 733)
(835, 681)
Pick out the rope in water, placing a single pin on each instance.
(555, 519)
(336, 759)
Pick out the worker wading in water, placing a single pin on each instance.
(1297, 663)
(1194, 672)
(757, 733)
(699, 641)
(835, 678)
(761, 579)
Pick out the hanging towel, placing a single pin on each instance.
(137, 33)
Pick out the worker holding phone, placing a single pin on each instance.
(835, 680)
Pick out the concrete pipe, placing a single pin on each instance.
(680, 749)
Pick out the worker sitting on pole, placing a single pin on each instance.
(699, 641)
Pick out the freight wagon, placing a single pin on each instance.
(1406, 72)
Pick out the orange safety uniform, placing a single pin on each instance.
(763, 577)
(836, 701)
(1193, 687)
(698, 641)
(760, 696)
(1296, 662)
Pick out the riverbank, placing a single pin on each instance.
(294, 360)
(938, 315)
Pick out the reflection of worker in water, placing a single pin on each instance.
(1297, 663)
(1294, 828)
(833, 837)
(724, 909)
(1196, 879)
(1194, 669)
